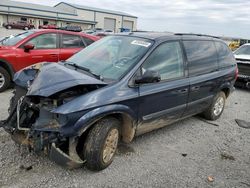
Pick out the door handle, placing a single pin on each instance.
(195, 88)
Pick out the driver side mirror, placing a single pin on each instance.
(149, 76)
(28, 47)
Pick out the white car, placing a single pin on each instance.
(242, 56)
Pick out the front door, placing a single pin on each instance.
(163, 102)
(46, 50)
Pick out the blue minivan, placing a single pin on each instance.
(77, 111)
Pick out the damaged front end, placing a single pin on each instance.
(33, 123)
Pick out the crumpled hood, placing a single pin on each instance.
(54, 77)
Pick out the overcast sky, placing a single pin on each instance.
(215, 17)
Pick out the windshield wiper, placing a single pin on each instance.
(83, 68)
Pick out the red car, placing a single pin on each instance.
(19, 25)
(34, 46)
(47, 27)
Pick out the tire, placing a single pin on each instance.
(4, 79)
(9, 27)
(96, 143)
(219, 104)
(26, 28)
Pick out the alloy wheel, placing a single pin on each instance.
(2, 80)
(110, 145)
(218, 106)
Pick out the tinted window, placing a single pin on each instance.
(45, 41)
(167, 60)
(72, 41)
(225, 56)
(202, 56)
(88, 41)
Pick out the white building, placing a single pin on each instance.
(65, 14)
(105, 19)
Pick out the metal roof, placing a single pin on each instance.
(168, 35)
(31, 6)
(148, 35)
(77, 6)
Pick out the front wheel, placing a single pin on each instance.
(215, 110)
(101, 144)
(4, 79)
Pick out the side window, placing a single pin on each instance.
(45, 41)
(72, 41)
(225, 55)
(88, 41)
(166, 59)
(202, 57)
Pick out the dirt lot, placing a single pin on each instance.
(181, 155)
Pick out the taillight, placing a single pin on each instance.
(236, 72)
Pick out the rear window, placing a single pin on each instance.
(202, 57)
(225, 55)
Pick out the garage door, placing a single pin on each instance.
(1, 20)
(109, 24)
(128, 25)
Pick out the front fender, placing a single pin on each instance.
(94, 115)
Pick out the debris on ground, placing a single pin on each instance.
(210, 178)
(27, 168)
(243, 124)
(227, 156)
(244, 183)
(184, 154)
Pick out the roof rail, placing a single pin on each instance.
(193, 34)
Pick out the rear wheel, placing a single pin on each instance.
(101, 144)
(215, 110)
(4, 79)
(26, 28)
(9, 27)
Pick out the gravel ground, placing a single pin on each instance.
(184, 154)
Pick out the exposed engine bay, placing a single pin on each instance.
(33, 123)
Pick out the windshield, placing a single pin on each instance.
(112, 56)
(14, 39)
(243, 50)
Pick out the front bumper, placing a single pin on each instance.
(51, 146)
(70, 161)
(47, 140)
